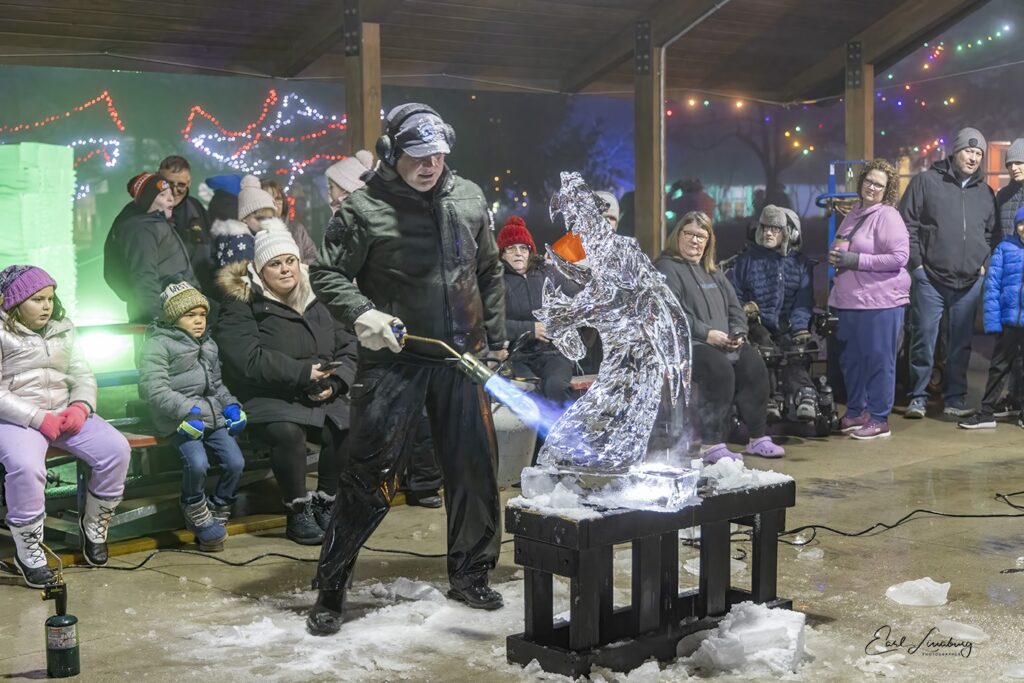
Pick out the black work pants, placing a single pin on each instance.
(387, 401)
(1009, 348)
(287, 442)
(423, 475)
(719, 381)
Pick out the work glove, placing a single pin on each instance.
(847, 260)
(72, 418)
(801, 338)
(374, 330)
(50, 427)
(236, 419)
(192, 426)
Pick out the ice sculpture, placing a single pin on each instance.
(644, 333)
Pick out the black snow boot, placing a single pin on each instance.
(323, 508)
(302, 527)
(325, 618)
(477, 595)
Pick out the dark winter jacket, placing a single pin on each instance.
(429, 259)
(1004, 286)
(708, 299)
(268, 350)
(192, 224)
(781, 286)
(178, 371)
(154, 256)
(950, 226)
(524, 295)
(1008, 201)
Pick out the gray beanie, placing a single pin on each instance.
(969, 137)
(1015, 152)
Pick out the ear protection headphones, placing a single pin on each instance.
(388, 146)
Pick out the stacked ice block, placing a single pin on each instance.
(37, 189)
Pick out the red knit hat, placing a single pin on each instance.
(515, 232)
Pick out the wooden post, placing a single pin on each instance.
(860, 104)
(649, 141)
(362, 80)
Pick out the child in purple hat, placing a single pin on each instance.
(48, 398)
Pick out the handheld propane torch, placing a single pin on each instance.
(467, 362)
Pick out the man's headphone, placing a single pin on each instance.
(388, 146)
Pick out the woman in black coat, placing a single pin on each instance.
(290, 364)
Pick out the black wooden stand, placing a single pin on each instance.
(659, 616)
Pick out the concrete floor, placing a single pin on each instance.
(189, 618)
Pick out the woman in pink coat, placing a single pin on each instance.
(871, 288)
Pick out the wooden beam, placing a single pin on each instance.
(885, 42)
(362, 91)
(649, 142)
(315, 41)
(860, 104)
(668, 18)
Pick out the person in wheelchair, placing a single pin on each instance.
(773, 281)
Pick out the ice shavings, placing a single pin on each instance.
(919, 593)
(728, 475)
(753, 637)
(562, 501)
(955, 629)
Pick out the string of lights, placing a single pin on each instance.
(240, 149)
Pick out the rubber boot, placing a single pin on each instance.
(302, 527)
(93, 524)
(210, 534)
(29, 555)
(323, 507)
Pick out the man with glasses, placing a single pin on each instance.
(773, 281)
(190, 220)
(950, 215)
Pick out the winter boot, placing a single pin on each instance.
(93, 524)
(806, 405)
(477, 595)
(221, 513)
(210, 534)
(325, 618)
(302, 527)
(29, 555)
(323, 507)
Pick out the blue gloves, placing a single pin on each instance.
(192, 426)
(236, 419)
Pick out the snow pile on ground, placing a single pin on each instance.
(919, 593)
(750, 638)
(959, 631)
(728, 474)
(561, 501)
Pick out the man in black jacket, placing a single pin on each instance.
(950, 214)
(189, 219)
(419, 240)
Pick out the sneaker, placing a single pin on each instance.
(765, 448)
(851, 423)
(977, 421)
(957, 409)
(917, 409)
(717, 452)
(1007, 407)
(873, 429)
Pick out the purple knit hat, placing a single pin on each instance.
(18, 283)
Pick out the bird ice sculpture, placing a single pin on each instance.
(644, 333)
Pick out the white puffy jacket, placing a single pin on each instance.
(42, 373)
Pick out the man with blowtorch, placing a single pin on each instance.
(415, 250)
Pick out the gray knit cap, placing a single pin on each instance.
(1015, 152)
(969, 137)
(773, 215)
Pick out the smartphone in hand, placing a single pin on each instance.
(332, 365)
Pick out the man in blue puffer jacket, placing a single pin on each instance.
(1004, 315)
(773, 281)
